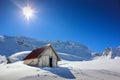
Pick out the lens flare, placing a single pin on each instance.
(28, 12)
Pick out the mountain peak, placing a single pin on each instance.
(112, 52)
(1, 38)
(118, 47)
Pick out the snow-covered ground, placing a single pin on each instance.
(99, 69)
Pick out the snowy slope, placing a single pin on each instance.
(10, 45)
(70, 57)
(67, 70)
(19, 56)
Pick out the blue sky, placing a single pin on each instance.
(95, 23)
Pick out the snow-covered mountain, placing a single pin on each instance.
(70, 68)
(19, 56)
(1, 38)
(3, 59)
(111, 52)
(10, 45)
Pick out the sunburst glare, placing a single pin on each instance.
(28, 12)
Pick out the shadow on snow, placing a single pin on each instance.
(62, 72)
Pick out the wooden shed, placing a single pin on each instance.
(42, 57)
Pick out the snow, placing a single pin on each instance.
(72, 67)
(1, 38)
(104, 69)
(19, 56)
(3, 59)
(96, 64)
(14, 44)
(69, 57)
(110, 53)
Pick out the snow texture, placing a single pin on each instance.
(67, 70)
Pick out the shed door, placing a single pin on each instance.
(50, 62)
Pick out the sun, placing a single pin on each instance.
(27, 12)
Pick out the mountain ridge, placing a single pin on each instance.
(14, 44)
